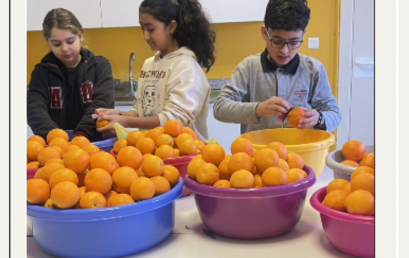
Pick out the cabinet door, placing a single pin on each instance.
(124, 13)
(87, 12)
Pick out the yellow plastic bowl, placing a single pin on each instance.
(311, 145)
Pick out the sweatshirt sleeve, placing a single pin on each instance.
(38, 117)
(322, 100)
(229, 107)
(103, 97)
(185, 95)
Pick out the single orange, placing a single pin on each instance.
(336, 200)
(98, 180)
(294, 160)
(133, 137)
(222, 184)
(207, 174)
(142, 189)
(102, 123)
(91, 149)
(38, 191)
(223, 168)
(177, 153)
(109, 196)
(39, 173)
(77, 160)
(33, 164)
(122, 179)
(240, 160)
(350, 163)
(47, 153)
(118, 145)
(152, 166)
(173, 127)
(92, 200)
(241, 145)
(103, 160)
(295, 116)
(258, 180)
(153, 134)
(182, 137)
(213, 153)
(38, 139)
(266, 158)
(55, 161)
(242, 179)
(121, 199)
(189, 130)
(361, 170)
(273, 176)
(364, 181)
(187, 147)
(161, 185)
(360, 202)
(368, 160)
(80, 141)
(336, 184)
(280, 149)
(295, 175)
(60, 142)
(161, 129)
(68, 148)
(171, 173)
(130, 156)
(33, 148)
(146, 145)
(193, 167)
(165, 152)
(283, 164)
(61, 175)
(50, 169)
(353, 150)
(165, 139)
(65, 195)
(54, 133)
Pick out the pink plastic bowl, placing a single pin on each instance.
(254, 212)
(352, 234)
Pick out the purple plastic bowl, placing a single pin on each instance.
(352, 234)
(251, 213)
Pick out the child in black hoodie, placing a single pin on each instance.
(70, 82)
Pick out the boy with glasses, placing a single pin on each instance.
(264, 87)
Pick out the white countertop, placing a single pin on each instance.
(306, 239)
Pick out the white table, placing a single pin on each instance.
(306, 239)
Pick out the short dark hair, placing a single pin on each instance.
(289, 15)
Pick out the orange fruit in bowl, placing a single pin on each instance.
(161, 129)
(49, 204)
(33, 148)
(153, 134)
(130, 157)
(207, 174)
(38, 191)
(38, 139)
(213, 153)
(33, 164)
(336, 200)
(294, 160)
(80, 141)
(61, 151)
(60, 142)
(161, 185)
(50, 169)
(365, 181)
(102, 123)
(92, 200)
(189, 130)
(183, 137)
(177, 152)
(353, 150)
(121, 199)
(241, 145)
(266, 158)
(65, 195)
(336, 184)
(368, 160)
(109, 196)
(122, 179)
(165, 152)
(91, 149)
(193, 167)
(142, 189)
(103, 160)
(187, 147)
(133, 137)
(61, 175)
(77, 160)
(222, 183)
(199, 144)
(350, 163)
(171, 174)
(242, 179)
(164, 139)
(295, 116)
(360, 202)
(38, 173)
(55, 161)
(55, 133)
(173, 127)
(258, 180)
(240, 160)
(347, 188)
(118, 145)
(280, 149)
(274, 176)
(295, 175)
(283, 164)
(68, 148)
(361, 170)
(98, 180)
(223, 168)
(146, 145)
(152, 166)
(47, 153)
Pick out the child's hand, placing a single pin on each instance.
(106, 111)
(311, 117)
(273, 106)
(109, 129)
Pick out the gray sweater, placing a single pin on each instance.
(303, 83)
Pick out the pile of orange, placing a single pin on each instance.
(246, 167)
(354, 153)
(77, 177)
(169, 141)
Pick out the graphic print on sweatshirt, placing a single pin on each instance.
(148, 100)
(55, 97)
(87, 88)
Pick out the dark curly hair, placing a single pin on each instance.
(289, 15)
(193, 28)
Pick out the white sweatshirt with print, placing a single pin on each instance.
(174, 87)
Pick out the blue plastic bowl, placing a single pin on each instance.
(104, 144)
(108, 232)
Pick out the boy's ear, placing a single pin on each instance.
(172, 26)
(263, 32)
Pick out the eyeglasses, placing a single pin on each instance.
(280, 43)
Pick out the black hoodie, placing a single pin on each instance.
(58, 98)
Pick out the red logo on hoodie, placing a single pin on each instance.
(87, 91)
(55, 97)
